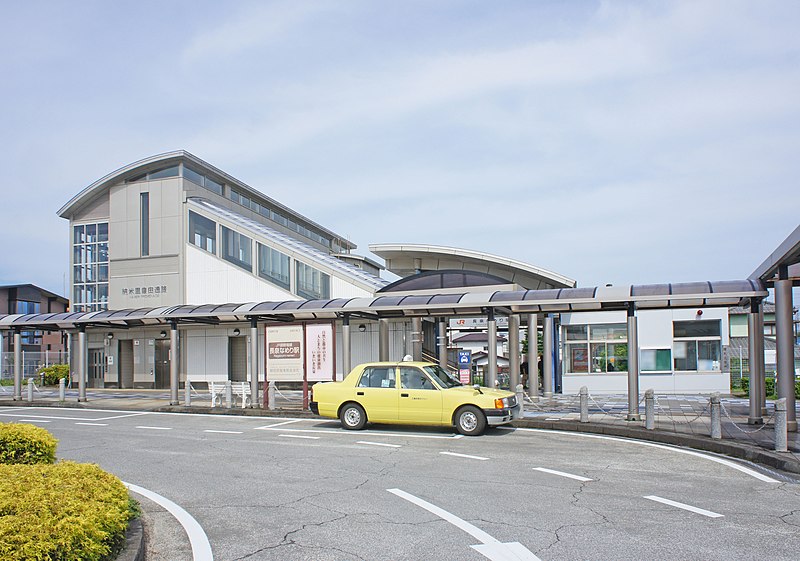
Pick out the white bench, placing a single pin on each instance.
(239, 391)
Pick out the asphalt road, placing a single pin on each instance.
(267, 488)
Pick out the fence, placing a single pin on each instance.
(31, 362)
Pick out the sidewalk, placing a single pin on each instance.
(679, 420)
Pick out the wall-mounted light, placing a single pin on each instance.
(109, 336)
(362, 328)
(236, 332)
(163, 334)
(699, 313)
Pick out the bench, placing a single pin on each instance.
(239, 391)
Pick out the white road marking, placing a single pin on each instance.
(690, 508)
(562, 474)
(154, 428)
(734, 465)
(64, 418)
(553, 419)
(378, 444)
(224, 431)
(266, 427)
(376, 433)
(463, 456)
(299, 436)
(93, 424)
(33, 421)
(491, 547)
(201, 548)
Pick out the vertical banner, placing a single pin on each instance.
(284, 345)
(320, 364)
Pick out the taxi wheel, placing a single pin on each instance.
(353, 416)
(470, 421)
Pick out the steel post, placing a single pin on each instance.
(17, 366)
(490, 375)
(547, 357)
(82, 363)
(584, 394)
(533, 356)
(755, 325)
(346, 349)
(383, 340)
(633, 365)
(174, 364)
(513, 350)
(716, 421)
(784, 340)
(649, 409)
(416, 338)
(442, 343)
(254, 401)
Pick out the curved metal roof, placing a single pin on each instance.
(658, 296)
(408, 259)
(786, 255)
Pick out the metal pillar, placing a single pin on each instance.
(383, 339)
(533, 356)
(755, 326)
(490, 375)
(17, 366)
(633, 365)
(784, 339)
(346, 352)
(174, 363)
(416, 338)
(82, 363)
(513, 350)
(547, 357)
(254, 401)
(442, 343)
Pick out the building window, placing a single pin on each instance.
(311, 283)
(202, 180)
(596, 349)
(162, 173)
(237, 248)
(655, 360)
(144, 216)
(696, 345)
(90, 267)
(202, 232)
(273, 266)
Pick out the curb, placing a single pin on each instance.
(782, 461)
(134, 542)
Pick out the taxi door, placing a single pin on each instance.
(376, 391)
(420, 399)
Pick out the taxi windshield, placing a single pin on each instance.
(441, 376)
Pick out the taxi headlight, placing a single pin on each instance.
(501, 403)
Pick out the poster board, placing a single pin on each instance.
(320, 357)
(284, 353)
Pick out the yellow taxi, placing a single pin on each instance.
(415, 393)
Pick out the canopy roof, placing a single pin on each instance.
(454, 303)
(786, 255)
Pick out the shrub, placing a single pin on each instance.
(62, 512)
(53, 373)
(21, 443)
(769, 386)
(744, 383)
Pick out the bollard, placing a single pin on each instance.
(271, 396)
(30, 390)
(649, 410)
(188, 397)
(584, 393)
(716, 426)
(62, 392)
(520, 398)
(781, 438)
(228, 395)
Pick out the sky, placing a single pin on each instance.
(610, 142)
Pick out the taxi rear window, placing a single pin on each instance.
(377, 377)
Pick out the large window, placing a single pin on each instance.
(144, 215)
(90, 267)
(696, 345)
(596, 349)
(202, 180)
(655, 360)
(273, 266)
(26, 307)
(237, 248)
(311, 283)
(202, 232)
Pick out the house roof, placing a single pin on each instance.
(477, 338)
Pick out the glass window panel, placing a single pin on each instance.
(273, 266)
(102, 273)
(311, 283)
(577, 333)
(135, 178)
(264, 211)
(144, 224)
(609, 331)
(617, 357)
(102, 232)
(78, 254)
(697, 328)
(90, 253)
(91, 232)
(577, 358)
(79, 293)
(685, 355)
(102, 252)
(102, 293)
(202, 232)
(377, 378)
(78, 234)
(78, 274)
(280, 219)
(708, 355)
(193, 176)
(656, 360)
(213, 186)
(237, 249)
(599, 357)
(91, 273)
(171, 171)
(415, 379)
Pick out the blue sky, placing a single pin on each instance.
(621, 142)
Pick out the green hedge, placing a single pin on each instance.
(62, 512)
(769, 387)
(21, 443)
(53, 373)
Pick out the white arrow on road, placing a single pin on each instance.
(490, 547)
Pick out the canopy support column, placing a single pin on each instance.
(784, 339)
(490, 378)
(82, 363)
(174, 363)
(547, 357)
(346, 348)
(442, 342)
(533, 356)
(253, 362)
(17, 365)
(755, 330)
(416, 338)
(633, 364)
(383, 340)
(513, 351)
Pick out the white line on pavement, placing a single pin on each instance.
(33, 421)
(734, 465)
(93, 424)
(154, 428)
(491, 547)
(562, 474)
(376, 433)
(378, 444)
(690, 508)
(201, 548)
(224, 431)
(266, 427)
(463, 456)
(299, 436)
